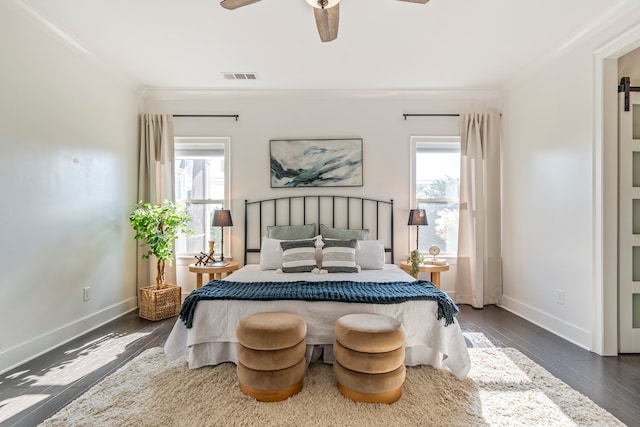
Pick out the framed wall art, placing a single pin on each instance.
(316, 162)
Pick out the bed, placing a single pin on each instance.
(359, 229)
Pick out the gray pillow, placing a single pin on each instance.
(298, 256)
(343, 233)
(339, 256)
(291, 232)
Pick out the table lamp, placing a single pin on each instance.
(222, 218)
(417, 217)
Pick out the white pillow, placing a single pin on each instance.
(370, 254)
(271, 253)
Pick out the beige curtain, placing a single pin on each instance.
(479, 269)
(155, 181)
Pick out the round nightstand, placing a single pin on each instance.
(434, 270)
(214, 272)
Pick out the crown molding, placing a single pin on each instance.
(613, 14)
(66, 38)
(206, 93)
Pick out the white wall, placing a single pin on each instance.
(550, 189)
(628, 67)
(374, 116)
(68, 141)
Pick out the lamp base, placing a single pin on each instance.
(220, 263)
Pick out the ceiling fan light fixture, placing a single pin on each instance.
(323, 4)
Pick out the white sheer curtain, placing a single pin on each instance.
(155, 181)
(479, 269)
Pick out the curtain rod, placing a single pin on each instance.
(430, 115)
(208, 115)
(442, 114)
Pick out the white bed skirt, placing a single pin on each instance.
(207, 354)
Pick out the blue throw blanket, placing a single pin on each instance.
(343, 291)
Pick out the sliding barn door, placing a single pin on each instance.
(629, 226)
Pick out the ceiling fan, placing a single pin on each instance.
(327, 14)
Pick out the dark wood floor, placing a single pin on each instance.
(32, 392)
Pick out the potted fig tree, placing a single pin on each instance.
(158, 226)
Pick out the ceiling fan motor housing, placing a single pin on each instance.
(323, 4)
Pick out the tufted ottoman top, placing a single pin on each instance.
(273, 330)
(369, 332)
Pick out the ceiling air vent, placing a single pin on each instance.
(240, 76)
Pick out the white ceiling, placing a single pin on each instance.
(382, 44)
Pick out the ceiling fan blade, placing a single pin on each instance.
(416, 1)
(327, 22)
(234, 4)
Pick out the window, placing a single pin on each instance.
(201, 183)
(436, 175)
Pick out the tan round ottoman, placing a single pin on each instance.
(271, 355)
(369, 357)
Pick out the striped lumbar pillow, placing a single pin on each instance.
(298, 256)
(339, 256)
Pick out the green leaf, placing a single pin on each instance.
(158, 226)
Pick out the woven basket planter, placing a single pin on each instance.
(158, 304)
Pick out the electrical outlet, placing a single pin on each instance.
(85, 294)
(560, 296)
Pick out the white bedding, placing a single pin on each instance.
(212, 339)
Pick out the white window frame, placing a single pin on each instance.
(225, 141)
(435, 142)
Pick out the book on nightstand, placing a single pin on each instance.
(435, 261)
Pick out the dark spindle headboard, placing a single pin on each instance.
(332, 211)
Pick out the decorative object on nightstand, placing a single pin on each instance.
(415, 260)
(434, 251)
(203, 258)
(221, 218)
(158, 226)
(417, 217)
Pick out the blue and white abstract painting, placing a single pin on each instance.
(316, 163)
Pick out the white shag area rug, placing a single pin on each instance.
(504, 388)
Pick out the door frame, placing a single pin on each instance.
(605, 201)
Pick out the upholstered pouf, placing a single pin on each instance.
(271, 355)
(369, 357)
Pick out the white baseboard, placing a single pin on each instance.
(572, 333)
(35, 347)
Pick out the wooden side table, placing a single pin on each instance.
(434, 270)
(215, 273)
